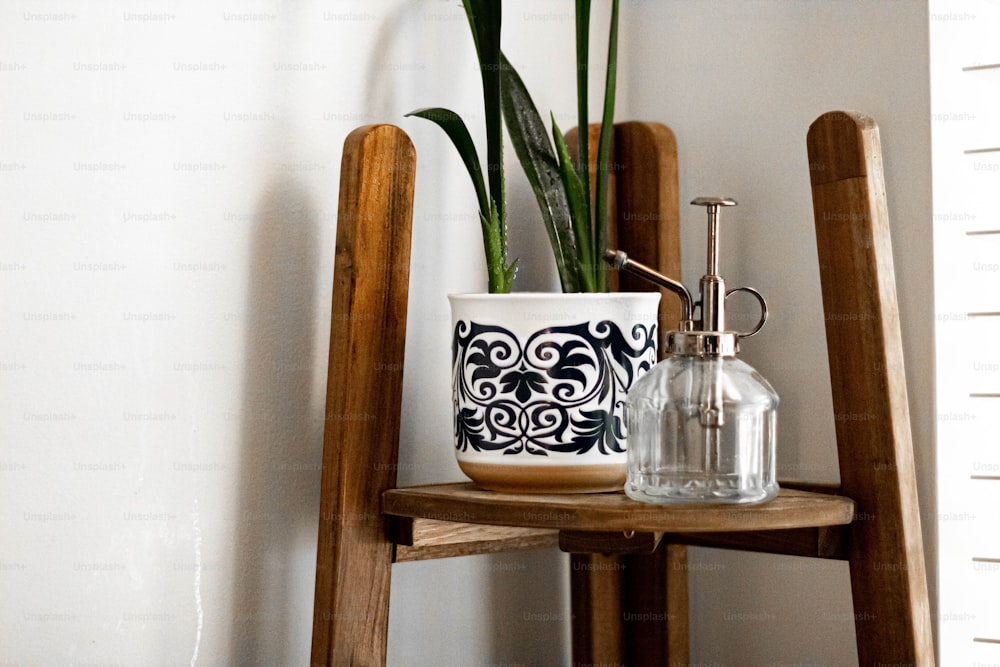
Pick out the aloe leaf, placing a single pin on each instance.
(604, 148)
(499, 274)
(534, 151)
(485, 19)
(582, 84)
(455, 128)
(575, 194)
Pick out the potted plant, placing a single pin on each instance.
(539, 380)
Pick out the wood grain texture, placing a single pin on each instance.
(425, 539)
(620, 615)
(613, 511)
(869, 390)
(678, 604)
(656, 607)
(597, 605)
(822, 542)
(605, 542)
(364, 393)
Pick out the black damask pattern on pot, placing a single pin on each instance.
(561, 391)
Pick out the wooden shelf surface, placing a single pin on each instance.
(602, 512)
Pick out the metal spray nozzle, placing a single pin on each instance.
(713, 287)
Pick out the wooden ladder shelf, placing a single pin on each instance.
(627, 556)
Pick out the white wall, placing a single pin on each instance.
(168, 173)
(169, 187)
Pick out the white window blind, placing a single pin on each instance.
(965, 108)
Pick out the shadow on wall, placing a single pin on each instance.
(279, 471)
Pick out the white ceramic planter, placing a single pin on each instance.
(539, 384)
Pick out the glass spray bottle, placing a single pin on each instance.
(701, 423)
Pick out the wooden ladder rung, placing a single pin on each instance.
(821, 542)
(425, 539)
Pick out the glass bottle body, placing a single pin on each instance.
(701, 429)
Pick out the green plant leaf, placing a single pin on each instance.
(455, 128)
(604, 149)
(499, 274)
(485, 20)
(580, 214)
(582, 94)
(534, 151)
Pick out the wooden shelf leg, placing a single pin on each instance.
(364, 394)
(597, 589)
(631, 609)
